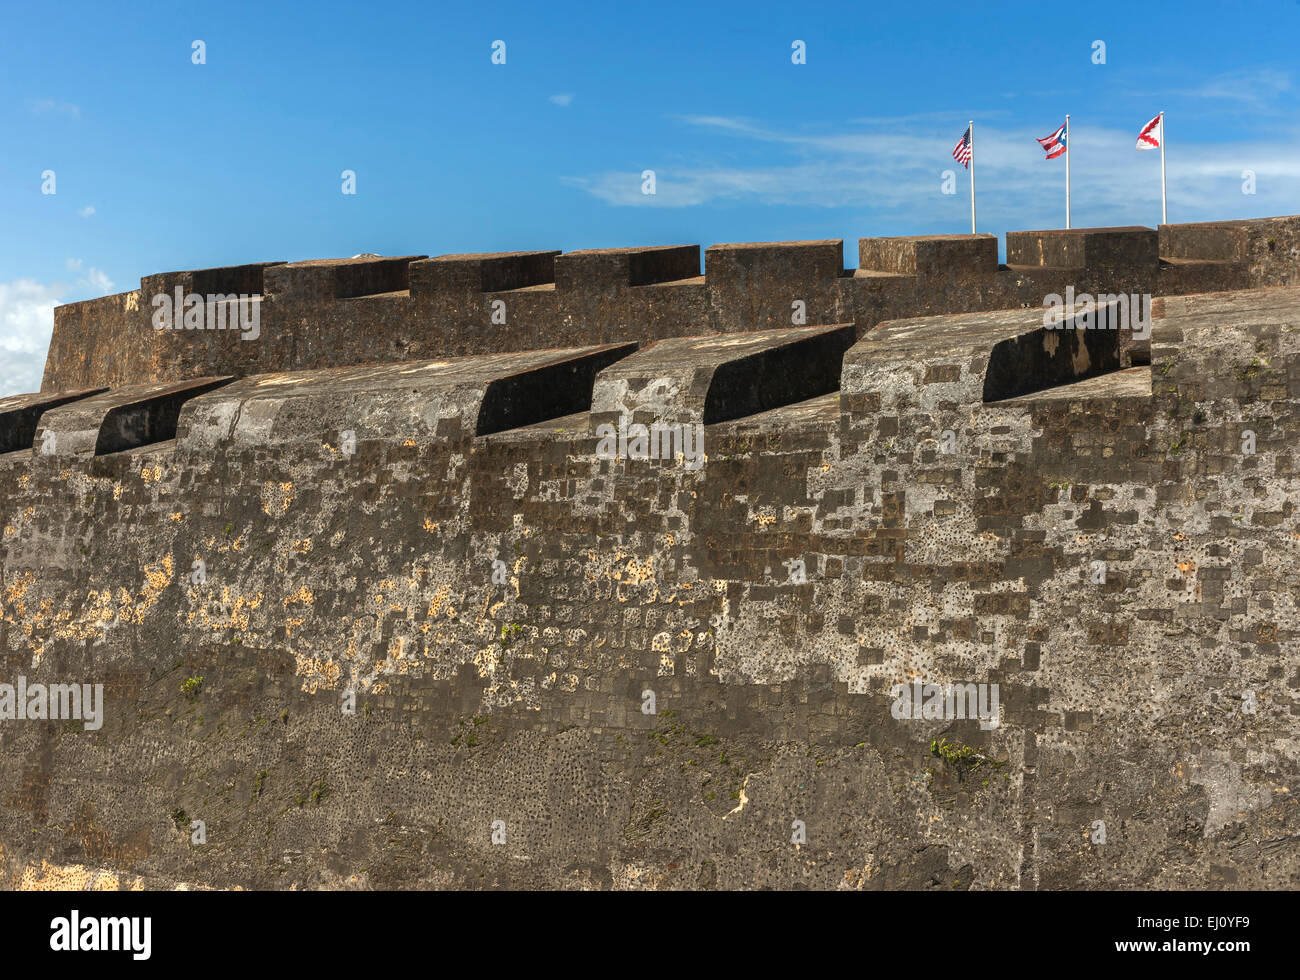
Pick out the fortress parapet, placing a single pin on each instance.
(370, 309)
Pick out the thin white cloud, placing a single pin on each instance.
(97, 281)
(564, 98)
(1258, 88)
(87, 211)
(945, 116)
(734, 125)
(896, 175)
(40, 107)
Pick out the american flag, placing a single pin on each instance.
(1151, 135)
(1054, 144)
(962, 152)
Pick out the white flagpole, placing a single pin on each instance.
(1164, 206)
(972, 176)
(1068, 148)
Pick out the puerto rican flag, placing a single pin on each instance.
(1152, 133)
(1054, 144)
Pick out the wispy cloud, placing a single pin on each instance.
(97, 280)
(1257, 88)
(945, 116)
(93, 281)
(895, 174)
(40, 107)
(87, 211)
(564, 98)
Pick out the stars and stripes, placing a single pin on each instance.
(1054, 145)
(963, 150)
(1152, 133)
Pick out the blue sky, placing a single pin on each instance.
(162, 164)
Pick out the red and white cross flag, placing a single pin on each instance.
(1152, 135)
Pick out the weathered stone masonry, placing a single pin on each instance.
(478, 702)
(339, 312)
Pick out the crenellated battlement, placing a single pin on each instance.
(682, 380)
(368, 309)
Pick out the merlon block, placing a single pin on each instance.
(822, 259)
(326, 279)
(248, 280)
(487, 272)
(421, 401)
(968, 358)
(714, 379)
(1209, 241)
(613, 268)
(547, 391)
(1129, 249)
(930, 255)
(119, 419)
(20, 414)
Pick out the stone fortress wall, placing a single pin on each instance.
(241, 539)
(340, 312)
